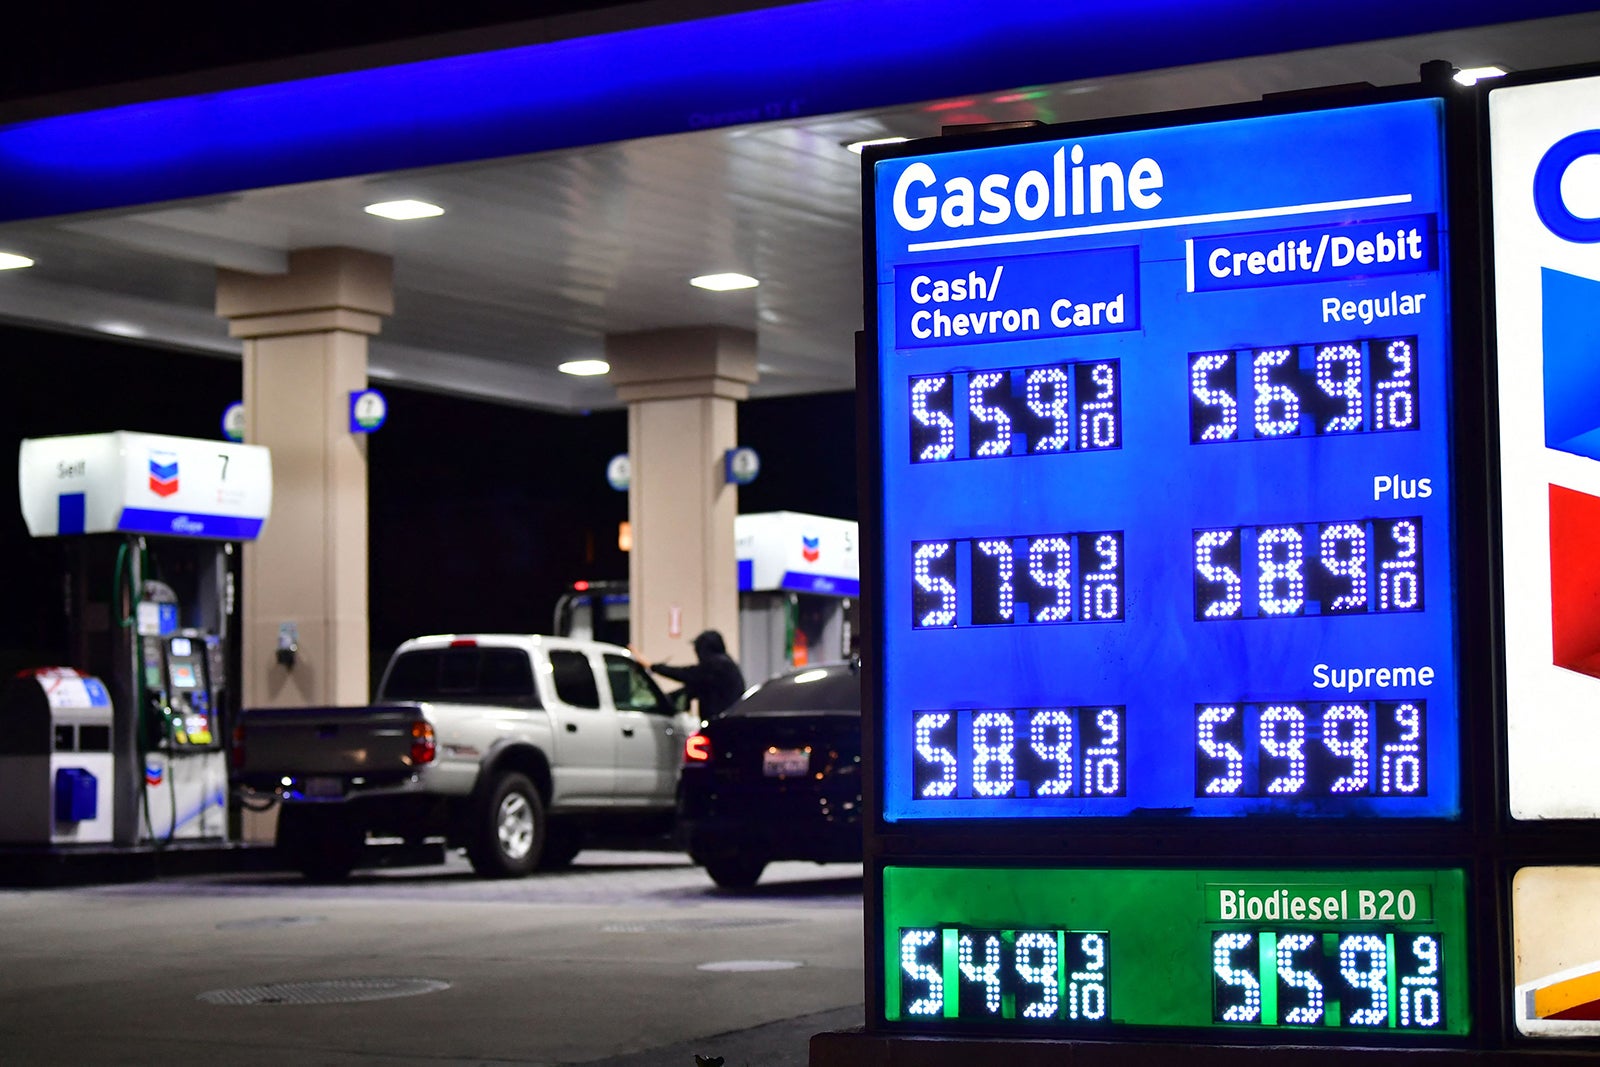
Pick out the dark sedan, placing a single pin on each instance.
(777, 777)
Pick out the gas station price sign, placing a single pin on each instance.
(1165, 454)
(1074, 951)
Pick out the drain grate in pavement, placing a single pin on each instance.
(686, 926)
(268, 921)
(334, 991)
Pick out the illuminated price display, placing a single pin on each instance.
(1311, 749)
(1005, 580)
(1275, 393)
(1365, 978)
(1375, 952)
(1023, 975)
(1041, 752)
(1031, 411)
(1319, 568)
(1165, 468)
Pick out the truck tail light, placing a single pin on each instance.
(423, 746)
(696, 748)
(236, 752)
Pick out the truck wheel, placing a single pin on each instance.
(561, 846)
(735, 872)
(323, 845)
(510, 830)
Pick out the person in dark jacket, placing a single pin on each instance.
(715, 680)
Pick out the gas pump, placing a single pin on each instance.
(799, 584)
(182, 688)
(153, 523)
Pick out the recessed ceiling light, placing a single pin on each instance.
(1474, 75)
(11, 261)
(857, 146)
(721, 283)
(585, 368)
(402, 210)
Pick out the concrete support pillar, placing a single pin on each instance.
(305, 349)
(682, 387)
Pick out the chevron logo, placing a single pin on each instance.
(163, 473)
(1571, 366)
(810, 548)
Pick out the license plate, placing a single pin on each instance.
(324, 787)
(785, 762)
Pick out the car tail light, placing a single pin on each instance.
(236, 753)
(423, 748)
(696, 748)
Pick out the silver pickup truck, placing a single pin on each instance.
(511, 746)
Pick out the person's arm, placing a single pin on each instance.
(685, 675)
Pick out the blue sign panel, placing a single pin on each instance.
(1166, 473)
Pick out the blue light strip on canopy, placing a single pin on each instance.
(766, 65)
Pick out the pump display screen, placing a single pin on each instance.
(1373, 952)
(183, 676)
(1165, 446)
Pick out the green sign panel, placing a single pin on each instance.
(1070, 950)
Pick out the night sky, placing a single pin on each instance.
(480, 514)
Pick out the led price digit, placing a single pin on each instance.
(1293, 974)
(1277, 405)
(936, 769)
(1236, 967)
(1213, 408)
(1400, 565)
(1103, 762)
(1219, 737)
(1421, 998)
(1099, 390)
(933, 428)
(1048, 394)
(994, 567)
(1401, 766)
(1397, 401)
(989, 408)
(1087, 997)
(1342, 552)
(1102, 586)
(1340, 374)
(933, 594)
(921, 972)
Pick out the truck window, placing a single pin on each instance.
(574, 679)
(631, 688)
(462, 675)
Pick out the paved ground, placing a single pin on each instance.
(605, 964)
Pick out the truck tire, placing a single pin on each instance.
(509, 829)
(735, 872)
(323, 844)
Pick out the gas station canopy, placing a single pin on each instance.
(586, 176)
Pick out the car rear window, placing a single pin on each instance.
(462, 675)
(837, 689)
